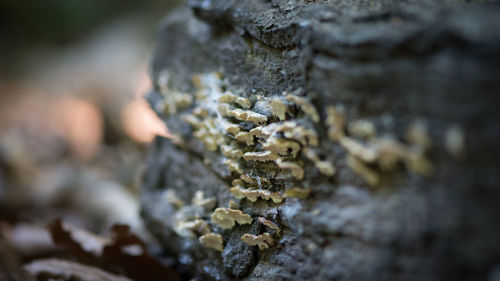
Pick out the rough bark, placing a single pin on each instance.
(390, 63)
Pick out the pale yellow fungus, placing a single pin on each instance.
(416, 134)
(223, 109)
(359, 150)
(191, 228)
(227, 218)
(191, 120)
(335, 121)
(261, 156)
(370, 176)
(233, 205)
(253, 194)
(278, 108)
(227, 97)
(212, 240)
(244, 137)
(361, 128)
(297, 171)
(455, 141)
(265, 131)
(305, 105)
(243, 102)
(238, 182)
(246, 115)
(172, 199)
(232, 129)
(200, 112)
(297, 192)
(233, 166)
(253, 181)
(231, 152)
(269, 224)
(282, 146)
(263, 241)
(326, 168)
(200, 200)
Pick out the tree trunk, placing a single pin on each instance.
(365, 131)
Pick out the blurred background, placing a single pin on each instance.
(73, 127)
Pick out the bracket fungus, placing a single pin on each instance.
(244, 137)
(296, 169)
(243, 102)
(324, 167)
(370, 176)
(232, 129)
(233, 166)
(253, 194)
(262, 156)
(282, 146)
(246, 115)
(191, 228)
(212, 240)
(297, 192)
(231, 151)
(305, 105)
(199, 199)
(227, 218)
(269, 224)
(361, 128)
(172, 199)
(335, 122)
(263, 241)
(278, 108)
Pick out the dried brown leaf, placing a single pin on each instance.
(123, 251)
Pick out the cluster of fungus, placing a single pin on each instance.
(263, 138)
(369, 155)
(256, 129)
(251, 133)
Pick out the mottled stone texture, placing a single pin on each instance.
(388, 61)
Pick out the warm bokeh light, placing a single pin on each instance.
(141, 123)
(78, 122)
(138, 120)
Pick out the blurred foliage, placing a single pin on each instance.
(29, 24)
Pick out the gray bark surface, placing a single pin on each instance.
(388, 62)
